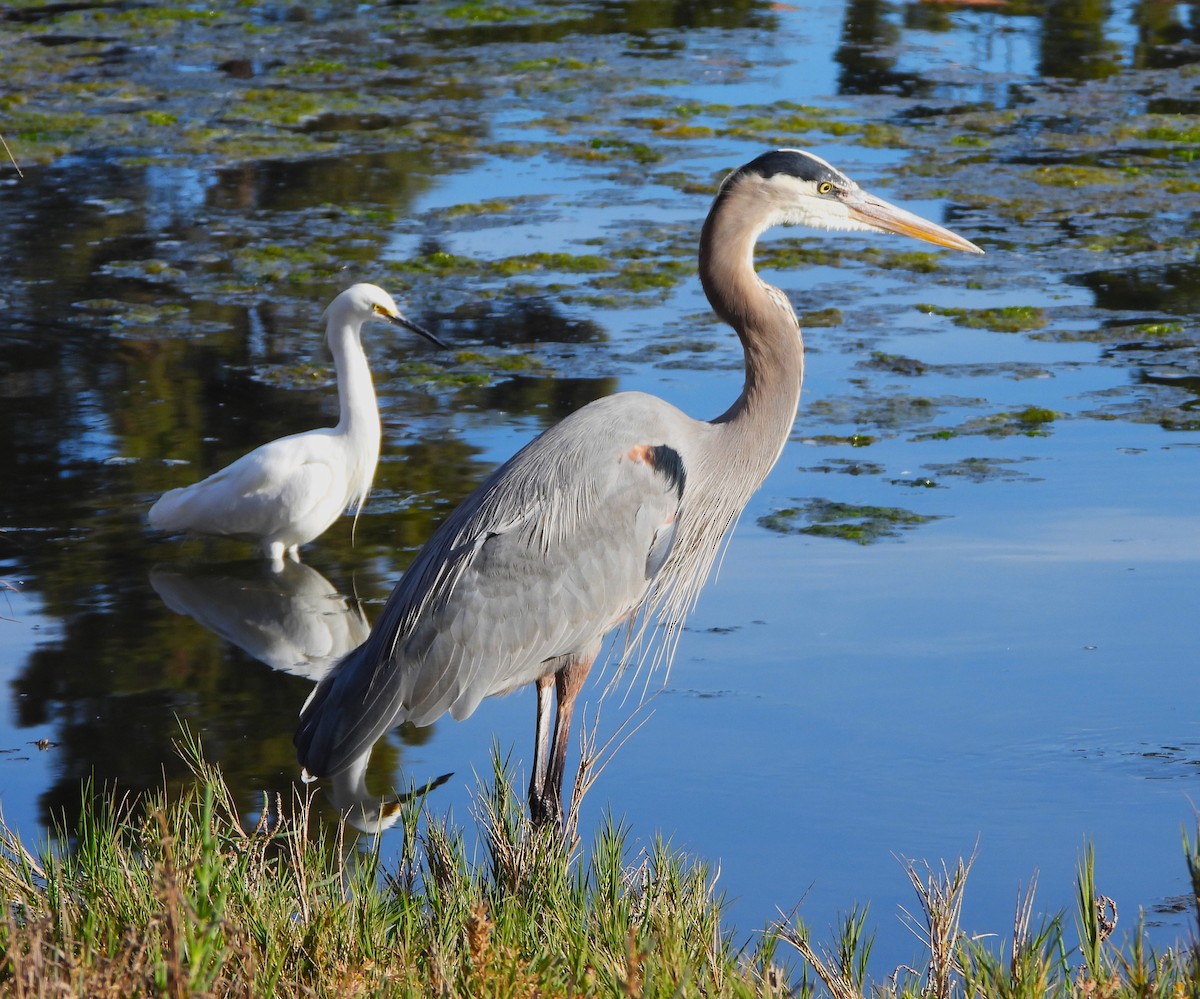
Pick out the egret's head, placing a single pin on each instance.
(802, 189)
(368, 301)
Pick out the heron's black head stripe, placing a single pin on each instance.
(794, 164)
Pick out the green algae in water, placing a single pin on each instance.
(565, 263)
(1032, 421)
(152, 271)
(1075, 176)
(821, 318)
(478, 12)
(982, 470)
(1174, 128)
(557, 63)
(862, 524)
(897, 363)
(836, 440)
(1007, 319)
(1036, 416)
(615, 148)
(493, 206)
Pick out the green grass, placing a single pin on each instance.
(179, 897)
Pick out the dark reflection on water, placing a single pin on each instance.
(1168, 35)
(1074, 43)
(79, 213)
(1074, 40)
(866, 55)
(384, 178)
(1173, 289)
(523, 321)
(549, 399)
(635, 18)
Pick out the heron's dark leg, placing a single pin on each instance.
(541, 747)
(567, 683)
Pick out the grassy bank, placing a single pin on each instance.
(180, 898)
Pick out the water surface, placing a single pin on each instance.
(984, 647)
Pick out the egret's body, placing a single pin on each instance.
(289, 491)
(613, 516)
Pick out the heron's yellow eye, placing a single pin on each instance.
(824, 187)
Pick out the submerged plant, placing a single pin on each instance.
(852, 522)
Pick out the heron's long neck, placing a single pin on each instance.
(760, 419)
(744, 442)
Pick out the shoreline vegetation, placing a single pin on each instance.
(178, 896)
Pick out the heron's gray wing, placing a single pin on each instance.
(553, 551)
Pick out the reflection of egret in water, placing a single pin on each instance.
(295, 621)
(292, 620)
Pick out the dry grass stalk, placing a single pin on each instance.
(839, 986)
(938, 927)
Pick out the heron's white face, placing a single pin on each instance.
(822, 197)
(819, 204)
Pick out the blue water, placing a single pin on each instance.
(1014, 678)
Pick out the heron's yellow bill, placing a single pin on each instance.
(886, 217)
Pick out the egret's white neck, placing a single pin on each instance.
(358, 419)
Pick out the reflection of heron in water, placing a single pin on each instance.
(289, 491)
(613, 516)
(295, 621)
(367, 812)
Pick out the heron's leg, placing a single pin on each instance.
(541, 747)
(567, 683)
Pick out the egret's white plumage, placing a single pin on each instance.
(289, 491)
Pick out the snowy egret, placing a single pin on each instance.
(287, 492)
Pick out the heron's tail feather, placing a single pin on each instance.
(345, 715)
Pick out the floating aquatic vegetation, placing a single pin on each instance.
(1032, 421)
(847, 466)
(1005, 319)
(862, 524)
(982, 469)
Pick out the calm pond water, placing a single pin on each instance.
(954, 619)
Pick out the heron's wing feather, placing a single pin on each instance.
(553, 551)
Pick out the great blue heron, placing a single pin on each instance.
(613, 516)
(288, 491)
